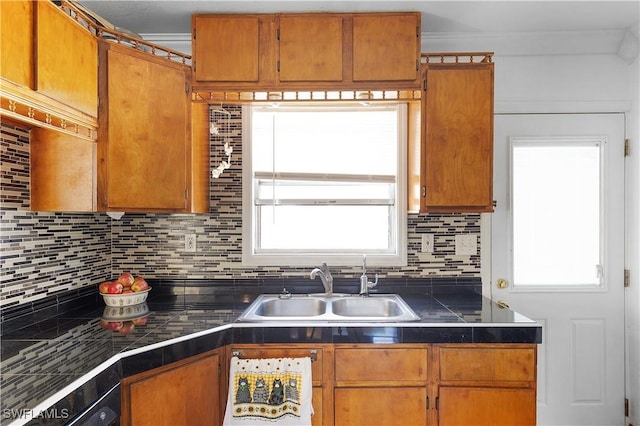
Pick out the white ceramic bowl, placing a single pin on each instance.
(126, 299)
(125, 313)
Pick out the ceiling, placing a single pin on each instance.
(451, 16)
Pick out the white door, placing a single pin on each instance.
(558, 242)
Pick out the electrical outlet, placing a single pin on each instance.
(427, 243)
(190, 243)
(466, 244)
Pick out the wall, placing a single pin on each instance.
(153, 244)
(43, 254)
(46, 253)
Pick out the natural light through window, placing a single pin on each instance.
(324, 184)
(556, 201)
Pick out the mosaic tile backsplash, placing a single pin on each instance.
(46, 253)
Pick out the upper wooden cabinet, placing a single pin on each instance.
(144, 137)
(456, 152)
(236, 49)
(310, 48)
(17, 42)
(67, 60)
(386, 47)
(322, 51)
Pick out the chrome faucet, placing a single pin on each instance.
(325, 277)
(365, 284)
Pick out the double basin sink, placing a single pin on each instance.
(329, 307)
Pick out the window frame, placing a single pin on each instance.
(299, 258)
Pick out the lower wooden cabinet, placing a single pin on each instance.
(359, 384)
(486, 384)
(186, 393)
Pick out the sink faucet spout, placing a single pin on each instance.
(325, 277)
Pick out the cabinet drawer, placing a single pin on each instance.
(285, 352)
(479, 364)
(381, 364)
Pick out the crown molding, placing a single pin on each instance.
(524, 44)
(502, 44)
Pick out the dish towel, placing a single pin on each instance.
(269, 391)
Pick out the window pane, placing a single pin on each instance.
(313, 140)
(556, 213)
(305, 190)
(325, 228)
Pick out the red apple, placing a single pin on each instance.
(127, 327)
(126, 279)
(139, 284)
(140, 321)
(103, 287)
(115, 287)
(127, 290)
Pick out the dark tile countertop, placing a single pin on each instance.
(58, 359)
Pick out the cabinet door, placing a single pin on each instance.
(457, 154)
(144, 134)
(310, 47)
(386, 47)
(67, 60)
(400, 406)
(233, 48)
(16, 31)
(185, 393)
(63, 172)
(486, 406)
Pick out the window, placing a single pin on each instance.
(556, 201)
(324, 183)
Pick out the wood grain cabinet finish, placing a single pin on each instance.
(66, 60)
(18, 45)
(144, 136)
(310, 47)
(381, 385)
(183, 393)
(386, 47)
(496, 384)
(63, 172)
(306, 51)
(234, 51)
(418, 384)
(457, 138)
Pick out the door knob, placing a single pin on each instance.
(502, 283)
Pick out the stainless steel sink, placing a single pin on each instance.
(330, 308)
(292, 307)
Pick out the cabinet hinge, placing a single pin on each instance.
(626, 407)
(186, 193)
(424, 84)
(186, 86)
(427, 402)
(278, 66)
(627, 278)
(418, 31)
(417, 64)
(278, 34)
(437, 402)
(219, 370)
(424, 191)
(627, 148)
(194, 33)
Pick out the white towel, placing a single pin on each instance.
(269, 391)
